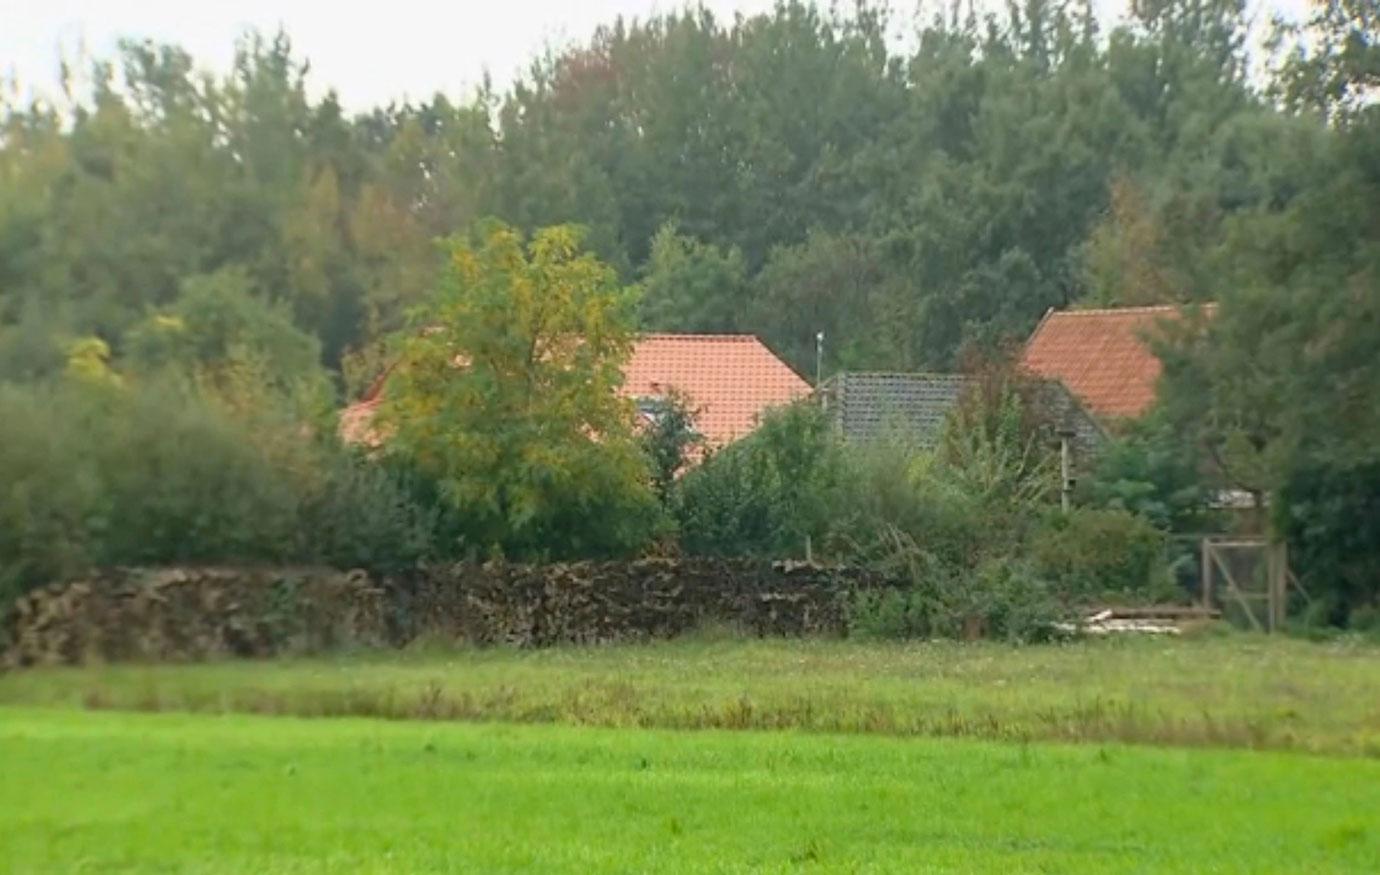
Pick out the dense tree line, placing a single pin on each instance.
(785, 174)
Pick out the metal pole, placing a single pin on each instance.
(819, 358)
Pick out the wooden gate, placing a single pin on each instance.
(1250, 578)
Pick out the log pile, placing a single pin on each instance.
(178, 614)
(605, 602)
(190, 614)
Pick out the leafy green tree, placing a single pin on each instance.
(217, 323)
(670, 439)
(906, 205)
(1333, 63)
(1277, 390)
(1151, 471)
(1329, 512)
(1144, 253)
(506, 393)
(843, 286)
(692, 286)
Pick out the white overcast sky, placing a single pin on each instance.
(370, 52)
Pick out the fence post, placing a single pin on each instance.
(1279, 584)
(1205, 581)
(1065, 470)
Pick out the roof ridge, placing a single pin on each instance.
(928, 374)
(1144, 308)
(672, 335)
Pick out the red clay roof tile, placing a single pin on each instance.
(732, 380)
(1101, 356)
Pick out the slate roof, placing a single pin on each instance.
(732, 380)
(866, 406)
(1102, 356)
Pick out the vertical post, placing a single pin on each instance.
(819, 358)
(1278, 576)
(1205, 581)
(1281, 584)
(1270, 598)
(1065, 472)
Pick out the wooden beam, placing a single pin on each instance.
(1238, 592)
(1205, 581)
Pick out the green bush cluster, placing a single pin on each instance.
(108, 471)
(764, 496)
(1151, 470)
(967, 527)
(1001, 598)
(157, 474)
(1093, 553)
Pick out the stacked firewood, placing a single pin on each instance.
(194, 613)
(199, 613)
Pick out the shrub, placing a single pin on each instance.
(998, 439)
(1015, 602)
(374, 516)
(767, 494)
(1092, 554)
(970, 534)
(892, 489)
(1000, 598)
(892, 614)
(156, 474)
(1151, 472)
(729, 506)
(184, 482)
(669, 439)
(951, 527)
(1366, 620)
(51, 501)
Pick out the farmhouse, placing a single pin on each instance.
(729, 380)
(1096, 368)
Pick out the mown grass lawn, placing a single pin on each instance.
(109, 792)
(1233, 691)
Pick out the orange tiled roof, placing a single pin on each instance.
(730, 379)
(1101, 356)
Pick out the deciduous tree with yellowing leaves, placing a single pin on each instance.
(506, 392)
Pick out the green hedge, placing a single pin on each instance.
(155, 475)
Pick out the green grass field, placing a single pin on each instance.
(1235, 691)
(112, 792)
(855, 757)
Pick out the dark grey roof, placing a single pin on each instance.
(866, 406)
